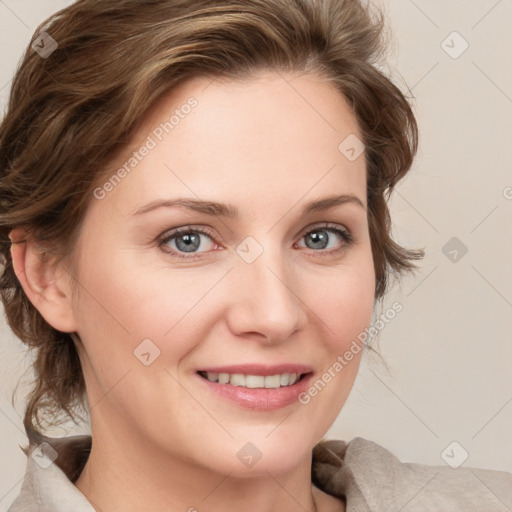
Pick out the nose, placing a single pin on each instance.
(266, 302)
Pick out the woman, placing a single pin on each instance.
(195, 234)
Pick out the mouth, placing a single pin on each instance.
(278, 380)
(257, 387)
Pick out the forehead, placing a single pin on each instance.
(268, 136)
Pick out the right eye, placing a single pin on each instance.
(187, 240)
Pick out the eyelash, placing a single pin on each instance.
(167, 237)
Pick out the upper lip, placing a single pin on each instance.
(259, 369)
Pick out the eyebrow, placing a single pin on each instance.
(231, 212)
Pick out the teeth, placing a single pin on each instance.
(254, 381)
(214, 377)
(273, 381)
(223, 377)
(237, 379)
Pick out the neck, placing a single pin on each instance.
(123, 473)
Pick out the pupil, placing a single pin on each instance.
(190, 242)
(319, 239)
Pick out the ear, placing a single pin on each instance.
(45, 281)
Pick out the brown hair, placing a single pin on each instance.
(72, 110)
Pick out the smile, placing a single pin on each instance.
(253, 381)
(256, 386)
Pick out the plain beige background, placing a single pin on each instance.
(448, 392)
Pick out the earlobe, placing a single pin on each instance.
(45, 282)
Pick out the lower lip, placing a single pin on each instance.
(259, 399)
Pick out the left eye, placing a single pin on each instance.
(319, 238)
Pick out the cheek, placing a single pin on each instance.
(345, 304)
(137, 323)
(345, 299)
(125, 300)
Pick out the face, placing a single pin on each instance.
(263, 278)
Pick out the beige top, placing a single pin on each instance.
(367, 476)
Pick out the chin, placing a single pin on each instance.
(255, 455)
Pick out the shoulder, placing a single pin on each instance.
(52, 466)
(370, 476)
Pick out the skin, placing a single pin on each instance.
(267, 145)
